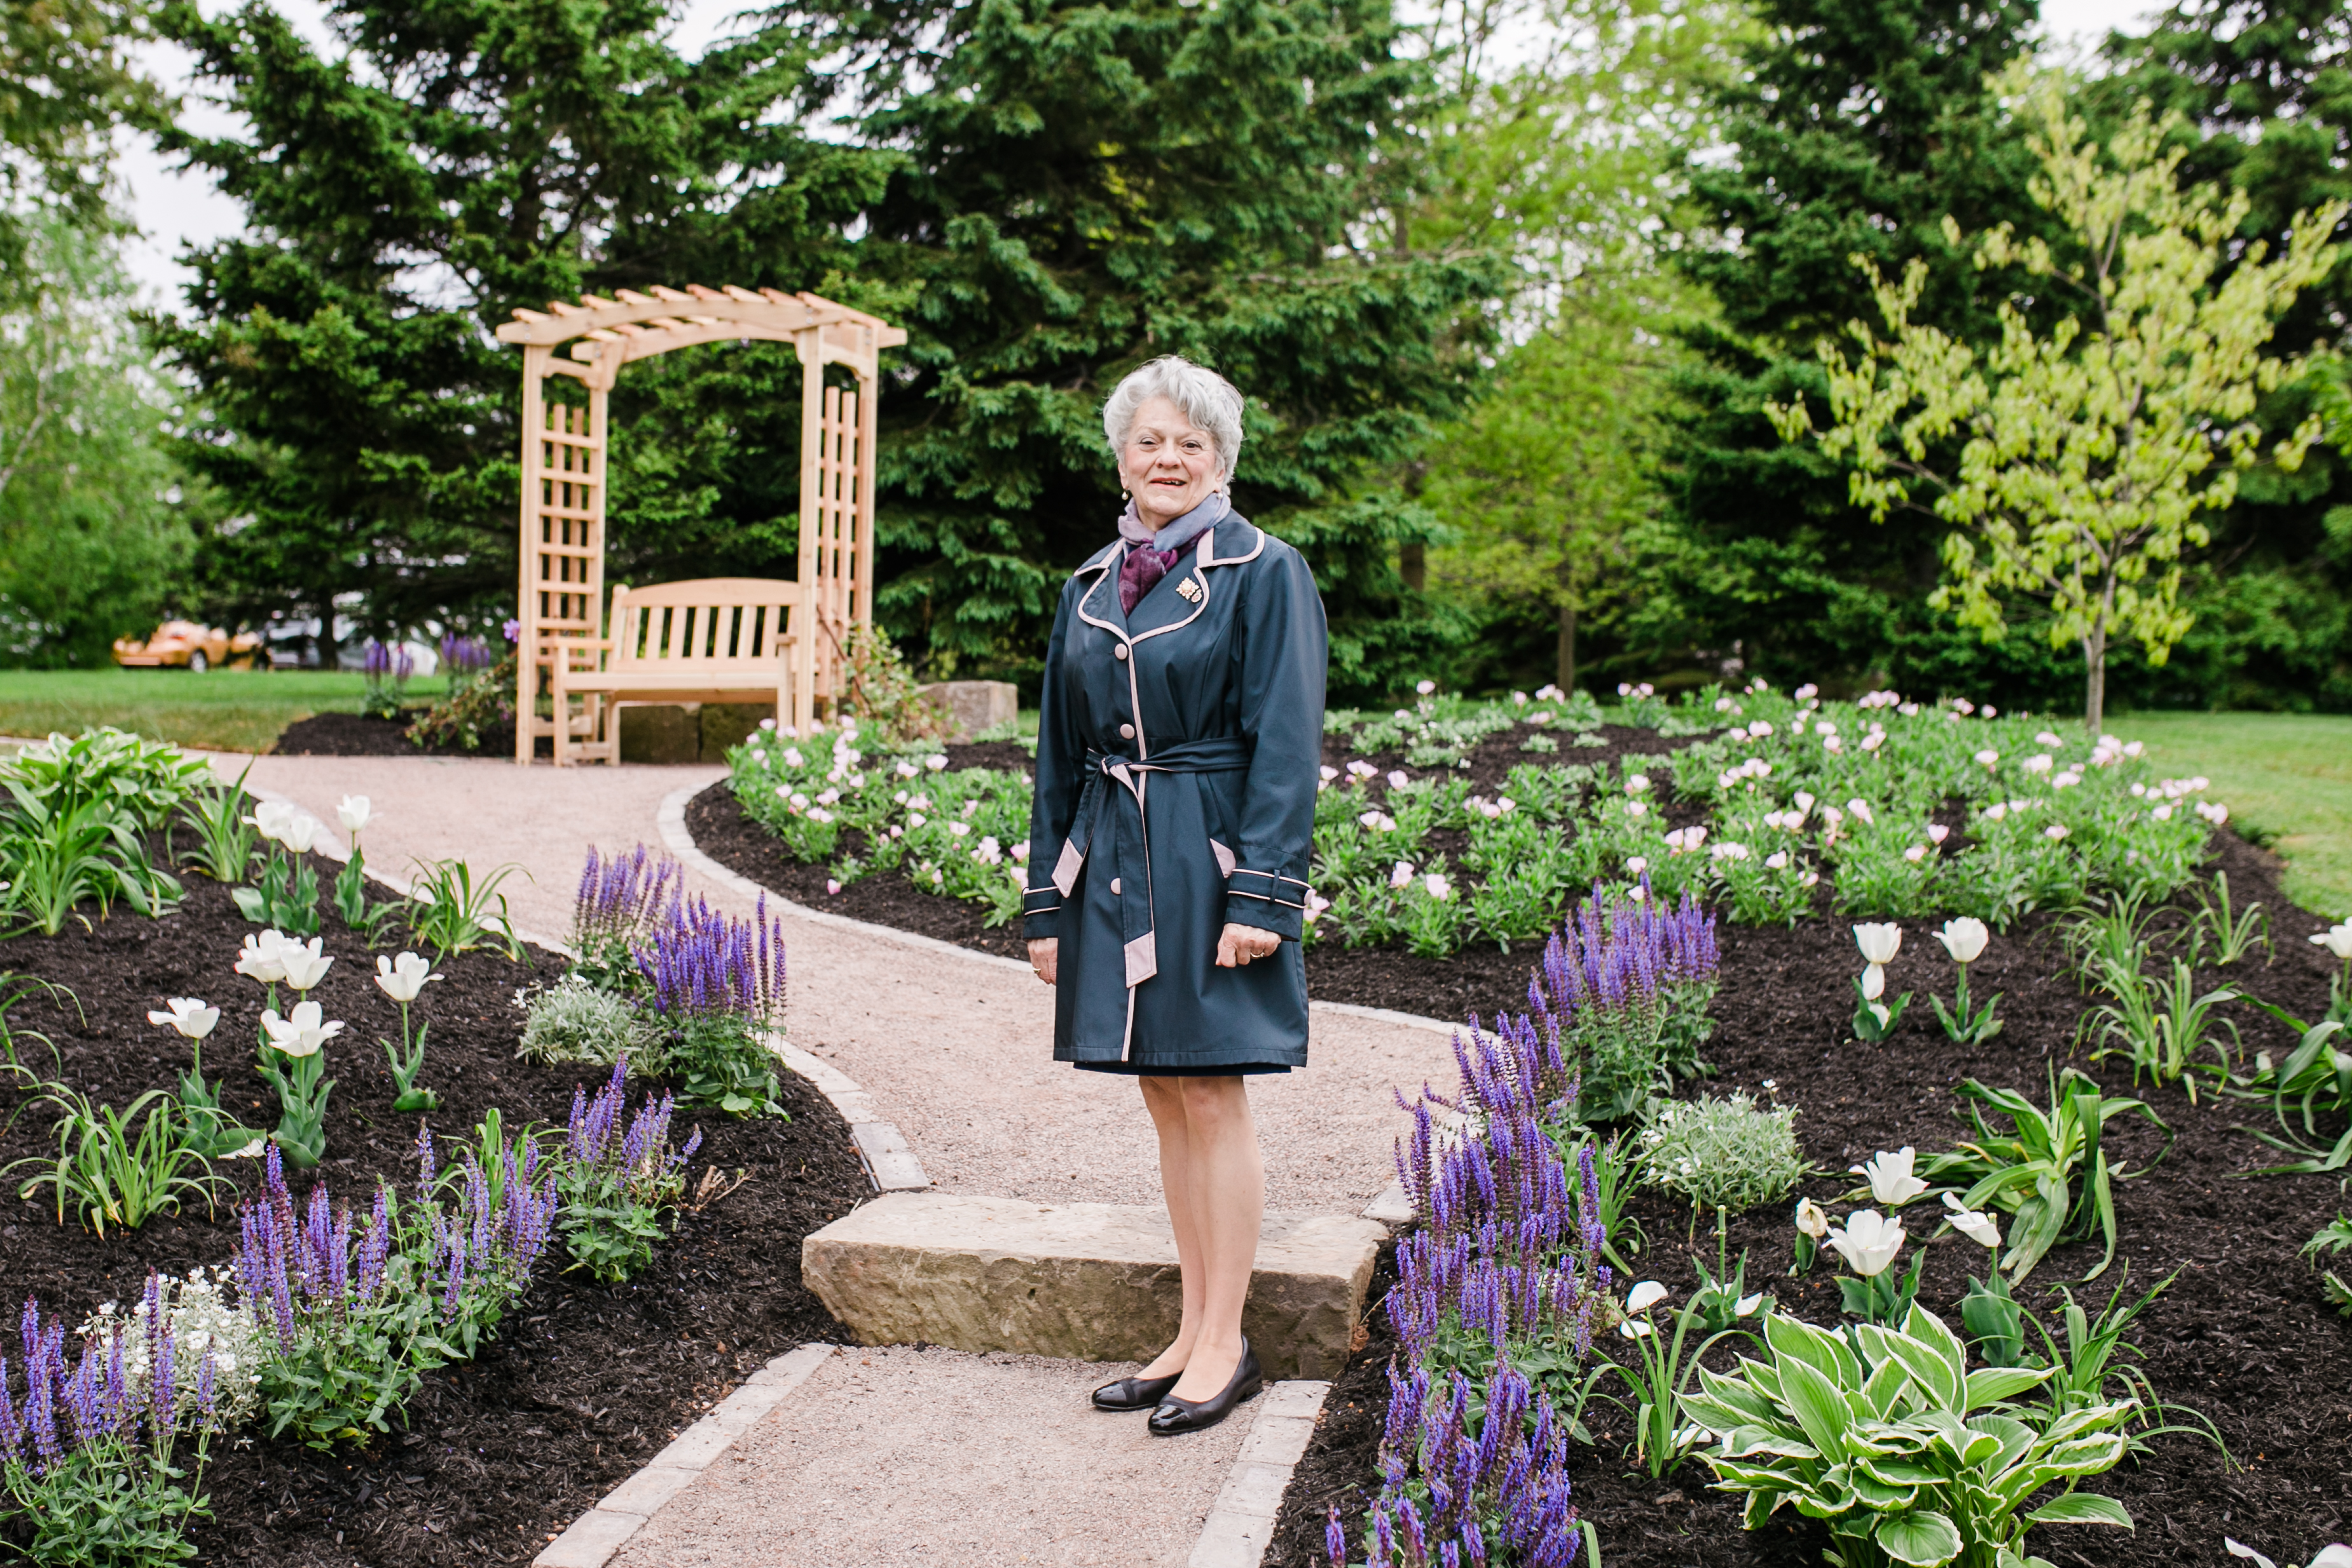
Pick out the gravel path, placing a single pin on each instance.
(891, 1455)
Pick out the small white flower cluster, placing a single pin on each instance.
(203, 1317)
(1500, 807)
(1378, 821)
(1727, 850)
(1869, 700)
(1685, 841)
(1315, 905)
(1638, 693)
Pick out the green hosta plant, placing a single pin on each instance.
(2049, 1172)
(1907, 1457)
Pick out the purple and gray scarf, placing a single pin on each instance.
(1150, 554)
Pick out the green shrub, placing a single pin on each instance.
(1726, 1152)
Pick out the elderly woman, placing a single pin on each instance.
(1177, 747)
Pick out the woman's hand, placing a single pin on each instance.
(1043, 955)
(1240, 943)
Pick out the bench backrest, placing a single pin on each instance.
(721, 625)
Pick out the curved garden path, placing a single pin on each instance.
(895, 1456)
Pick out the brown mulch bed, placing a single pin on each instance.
(359, 735)
(2243, 1334)
(583, 1383)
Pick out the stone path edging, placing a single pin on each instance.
(1240, 1525)
(595, 1536)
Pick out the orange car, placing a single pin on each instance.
(189, 644)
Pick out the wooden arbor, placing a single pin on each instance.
(564, 447)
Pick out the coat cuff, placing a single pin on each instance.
(1041, 913)
(1267, 901)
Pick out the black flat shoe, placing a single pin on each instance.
(1177, 1415)
(1134, 1393)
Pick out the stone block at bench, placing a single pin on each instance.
(973, 708)
(1080, 1282)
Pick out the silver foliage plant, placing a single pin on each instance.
(572, 1021)
(1726, 1152)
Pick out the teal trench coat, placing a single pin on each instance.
(1177, 751)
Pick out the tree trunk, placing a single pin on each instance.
(1566, 676)
(1412, 564)
(2095, 698)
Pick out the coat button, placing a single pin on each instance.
(1114, 884)
(1120, 652)
(1126, 732)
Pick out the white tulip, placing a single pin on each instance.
(261, 958)
(403, 978)
(304, 963)
(1873, 982)
(1868, 1243)
(1891, 1181)
(1812, 1218)
(189, 1016)
(271, 819)
(1964, 938)
(302, 1035)
(2337, 940)
(1644, 1296)
(354, 813)
(1974, 1223)
(301, 833)
(1635, 1327)
(1880, 942)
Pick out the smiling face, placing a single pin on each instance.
(1169, 464)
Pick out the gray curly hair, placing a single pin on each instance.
(1206, 398)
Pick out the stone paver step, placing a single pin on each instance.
(1083, 1281)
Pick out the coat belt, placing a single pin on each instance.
(1220, 755)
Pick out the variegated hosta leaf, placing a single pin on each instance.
(1738, 1395)
(2016, 1439)
(1879, 1496)
(1818, 1404)
(1792, 1341)
(1922, 1539)
(2082, 1507)
(1759, 1507)
(1884, 1393)
(1746, 1442)
(1989, 1384)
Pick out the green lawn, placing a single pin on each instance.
(224, 709)
(2286, 779)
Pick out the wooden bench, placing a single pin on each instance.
(716, 640)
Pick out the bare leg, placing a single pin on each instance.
(1163, 1097)
(1225, 1184)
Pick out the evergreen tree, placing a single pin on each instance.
(445, 164)
(1858, 128)
(1088, 187)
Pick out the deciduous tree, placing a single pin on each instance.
(2089, 449)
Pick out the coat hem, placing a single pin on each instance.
(1235, 1056)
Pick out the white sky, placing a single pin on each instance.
(175, 209)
